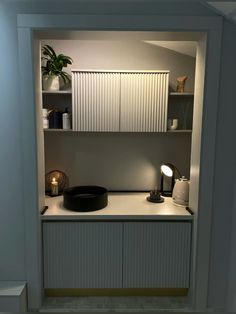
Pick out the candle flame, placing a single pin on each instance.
(53, 180)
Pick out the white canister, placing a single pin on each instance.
(45, 119)
(66, 121)
(45, 123)
(45, 113)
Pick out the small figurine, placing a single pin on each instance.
(180, 84)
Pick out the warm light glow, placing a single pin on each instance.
(53, 180)
(167, 170)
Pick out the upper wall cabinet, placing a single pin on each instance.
(120, 101)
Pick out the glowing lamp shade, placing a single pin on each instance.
(166, 170)
(170, 171)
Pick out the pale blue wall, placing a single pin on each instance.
(224, 170)
(11, 208)
(12, 220)
(148, 7)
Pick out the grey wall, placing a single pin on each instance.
(224, 175)
(11, 209)
(117, 161)
(12, 242)
(11, 222)
(101, 51)
(231, 288)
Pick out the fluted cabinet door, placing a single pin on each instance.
(144, 101)
(156, 254)
(96, 101)
(82, 255)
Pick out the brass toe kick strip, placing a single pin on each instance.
(116, 292)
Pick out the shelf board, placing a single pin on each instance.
(181, 94)
(57, 130)
(179, 131)
(62, 130)
(59, 92)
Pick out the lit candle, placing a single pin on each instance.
(54, 187)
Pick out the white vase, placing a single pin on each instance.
(51, 83)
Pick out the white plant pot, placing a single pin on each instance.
(51, 83)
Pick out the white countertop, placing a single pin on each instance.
(121, 206)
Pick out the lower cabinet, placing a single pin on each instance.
(156, 255)
(116, 254)
(82, 255)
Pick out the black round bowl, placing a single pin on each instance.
(85, 198)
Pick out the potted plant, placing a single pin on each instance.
(52, 68)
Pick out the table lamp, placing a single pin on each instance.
(168, 170)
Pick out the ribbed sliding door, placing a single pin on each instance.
(144, 100)
(156, 254)
(96, 101)
(82, 255)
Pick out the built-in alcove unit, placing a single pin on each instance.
(124, 160)
(122, 94)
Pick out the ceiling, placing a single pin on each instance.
(225, 8)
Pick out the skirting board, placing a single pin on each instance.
(116, 292)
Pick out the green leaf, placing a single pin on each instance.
(55, 63)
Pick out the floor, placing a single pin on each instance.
(115, 304)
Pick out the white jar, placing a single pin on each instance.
(45, 113)
(45, 119)
(66, 121)
(45, 123)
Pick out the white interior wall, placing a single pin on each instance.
(195, 156)
(106, 51)
(119, 161)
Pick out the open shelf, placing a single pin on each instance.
(58, 130)
(60, 92)
(179, 131)
(182, 94)
(180, 107)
